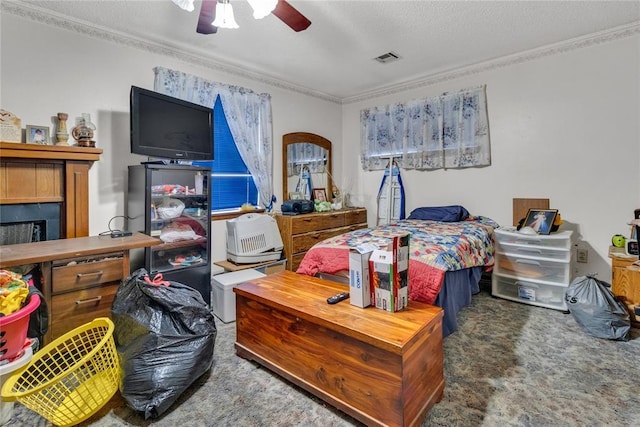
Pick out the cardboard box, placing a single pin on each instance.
(389, 269)
(359, 280)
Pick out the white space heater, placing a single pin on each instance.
(253, 238)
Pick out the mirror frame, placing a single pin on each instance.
(312, 138)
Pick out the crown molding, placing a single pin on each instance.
(49, 18)
(56, 20)
(505, 61)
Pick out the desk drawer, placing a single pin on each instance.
(86, 274)
(74, 309)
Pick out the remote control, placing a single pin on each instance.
(337, 298)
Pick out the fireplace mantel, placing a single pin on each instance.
(33, 173)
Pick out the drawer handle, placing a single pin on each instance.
(95, 273)
(527, 261)
(528, 242)
(529, 250)
(90, 300)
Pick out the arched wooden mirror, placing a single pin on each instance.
(306, 165)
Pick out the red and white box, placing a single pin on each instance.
(389, 270)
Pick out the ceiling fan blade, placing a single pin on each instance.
(207, 15)
(290, 16)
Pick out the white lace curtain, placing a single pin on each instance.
(248, 115)
(447, 131)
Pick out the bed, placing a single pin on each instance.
(447, 256)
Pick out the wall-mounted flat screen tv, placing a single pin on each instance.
(165, 127)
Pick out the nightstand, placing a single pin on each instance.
(625, 283)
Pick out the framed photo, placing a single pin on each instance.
(37, 134)
(295, 195)
(540, 220)
(319, 195)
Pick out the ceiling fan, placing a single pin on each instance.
(283, 10)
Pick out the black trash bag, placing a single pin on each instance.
(596, 309)
(165, 337)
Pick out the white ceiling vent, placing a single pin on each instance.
(385, 58)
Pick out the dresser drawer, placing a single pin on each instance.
(74, 309)
(296, 260)
(303, 242)
(81, 275)
(313, 222)
(355, 217)
(536, 269)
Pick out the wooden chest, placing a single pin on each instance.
(381, 368)
(300, 232)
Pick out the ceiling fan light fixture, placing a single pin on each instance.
(262, 8)
(224, 16)
(185, 4)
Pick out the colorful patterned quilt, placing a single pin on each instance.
(435, 248)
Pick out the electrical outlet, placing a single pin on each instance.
(582, 255)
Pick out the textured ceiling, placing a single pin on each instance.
(334, 56)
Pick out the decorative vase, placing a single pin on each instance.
(62, 136)
(83, 132)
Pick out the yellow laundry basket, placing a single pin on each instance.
(71, 378)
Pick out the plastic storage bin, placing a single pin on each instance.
(540, 294)
(532, 268)
(6, 408)
(223, 300)
(558, 240)
(13, 329)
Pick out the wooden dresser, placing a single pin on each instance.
(80, 276)
(300, 232)
(625, 282)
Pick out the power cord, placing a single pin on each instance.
(117, 232)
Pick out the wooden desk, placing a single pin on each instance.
(79, 276)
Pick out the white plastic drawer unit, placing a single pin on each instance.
(510, 236)
(532, 268)
(534, 293)
(531, 251)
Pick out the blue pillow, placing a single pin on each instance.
(453, 213)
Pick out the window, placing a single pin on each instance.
(231, 182)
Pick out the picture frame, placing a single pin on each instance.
(35, 134)
(541, 220)
(320, 195)
(295, 195)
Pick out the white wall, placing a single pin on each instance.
(564, 127)
(46, 70)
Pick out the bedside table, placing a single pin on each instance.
(625, 283)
